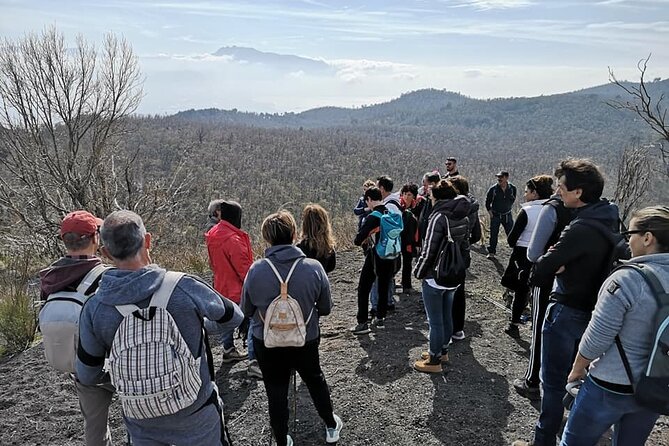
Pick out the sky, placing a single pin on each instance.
(373, 50)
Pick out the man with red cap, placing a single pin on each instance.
(79, 233)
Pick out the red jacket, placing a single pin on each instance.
(230, 257)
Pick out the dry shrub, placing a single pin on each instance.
(18, 314)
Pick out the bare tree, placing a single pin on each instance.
(63, 115)
(650, 109)
(633, 179)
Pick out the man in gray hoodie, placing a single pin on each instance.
(134, 282)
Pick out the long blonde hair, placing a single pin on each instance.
(317, 230)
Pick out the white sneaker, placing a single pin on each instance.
(458, 335)
(289, 440)
(332, 434)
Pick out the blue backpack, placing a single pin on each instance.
(389, 245)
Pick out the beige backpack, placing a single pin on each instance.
(284, 324)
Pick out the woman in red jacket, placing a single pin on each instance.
(230, 257)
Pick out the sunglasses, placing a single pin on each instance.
(628, 234)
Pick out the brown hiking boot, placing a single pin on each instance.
(430, 365)
(426, 355)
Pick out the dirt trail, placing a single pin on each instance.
(381, 399)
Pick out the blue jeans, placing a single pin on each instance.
(506, 221)
(374, 295)
(438, 306)
(562, 332)
(249, 340)
(596, 409)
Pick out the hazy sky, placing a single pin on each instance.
(375, 49)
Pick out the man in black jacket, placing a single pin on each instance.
(579, 262)
(373, 267)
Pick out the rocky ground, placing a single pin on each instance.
(381, 399)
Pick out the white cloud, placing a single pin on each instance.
(484, 5)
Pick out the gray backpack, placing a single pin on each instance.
(59, 321)
(151, 366)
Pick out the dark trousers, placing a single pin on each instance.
(276, 365)
(372, 268)
(540, 296)
(407, 260)
(459, 307)
(522, 288)
(497, 220)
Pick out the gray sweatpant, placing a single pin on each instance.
(94, 402)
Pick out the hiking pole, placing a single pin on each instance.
(294, 401)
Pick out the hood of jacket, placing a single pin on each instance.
(456, 208)
(284, 253)
(65, 273)
(222, 231)
(602, 210)
(120, 287)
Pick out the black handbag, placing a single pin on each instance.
(450, 269)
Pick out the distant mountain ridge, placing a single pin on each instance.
(284, 62)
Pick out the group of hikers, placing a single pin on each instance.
(143, 332)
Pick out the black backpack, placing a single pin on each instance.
(652, 389)
(620, 247)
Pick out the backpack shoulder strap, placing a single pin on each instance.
(284, 283)
(162, 296)
(90, 278)
(660, 295)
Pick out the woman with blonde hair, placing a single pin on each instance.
(317, 240)
(616, 347)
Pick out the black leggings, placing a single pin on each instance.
(276, 365)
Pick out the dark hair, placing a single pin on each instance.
(373, 193)
(279, 228)
(461, 184)
(444, 190)
(654, 219)
(542, 185)
(385, 182)
(77, 242)
(582, 174)
(123, 234)
(410, 187)
(230, 211)
(432, 177)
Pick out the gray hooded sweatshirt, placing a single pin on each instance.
(309, 285)
(191, 301)
(625, 307)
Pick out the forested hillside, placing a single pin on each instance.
(323, 155)
(267, 161)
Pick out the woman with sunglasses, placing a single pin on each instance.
(625, 307)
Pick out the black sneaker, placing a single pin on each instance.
(380, 323)
(371, 315)
(524, 389)
(361, 329)
(512, 330)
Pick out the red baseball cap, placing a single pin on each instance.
(80, 222)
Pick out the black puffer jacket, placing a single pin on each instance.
(445, 212)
